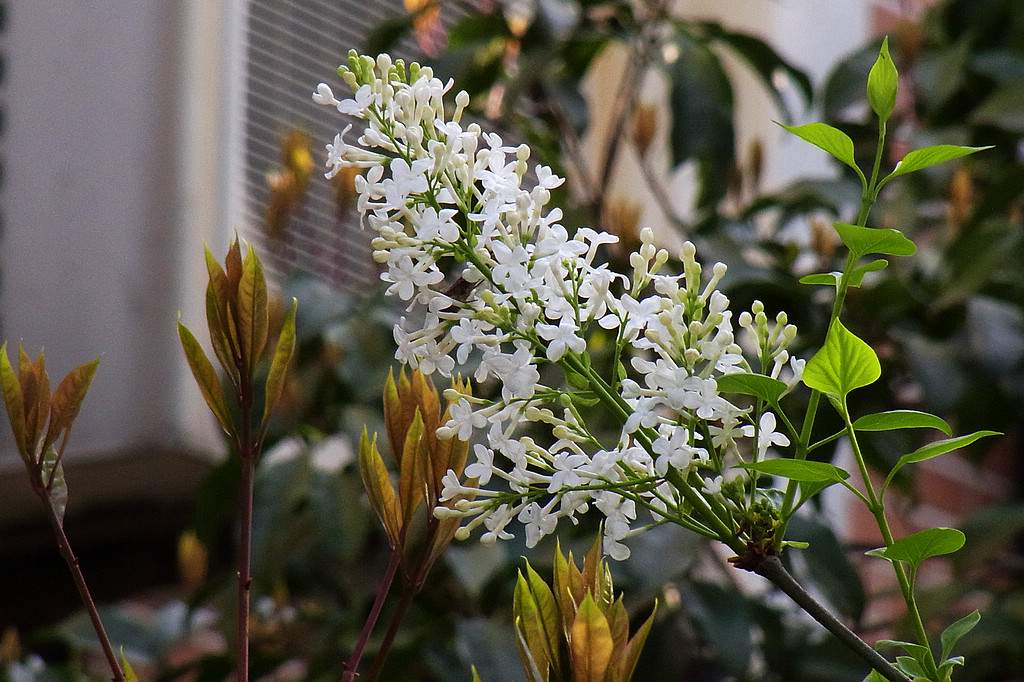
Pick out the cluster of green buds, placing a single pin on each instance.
(576, 629)
(412, 416)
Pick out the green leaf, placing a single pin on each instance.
(921, 654)
(412, 467)
(379, 488)
(800, 470)
(758, 385)
(219, 318)
(66, 401)
(856, 277)
(843, 364)
(206, 378)
(901, 419)
(939, 447)
(828, 139)
(530, 667)
(922, 545)
(536, 613)
(929, 156)
(864, 240)
(221, 339)
(129, 674)
(883, 81)
(279, 365)
(590, 643)
(953, 634)
(829, 279)
(15, 403)
(51, 475)
(636, 645)
(910, 666)
(252, 308)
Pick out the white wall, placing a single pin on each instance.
(113, 177)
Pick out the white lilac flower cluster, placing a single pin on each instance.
(493, 279)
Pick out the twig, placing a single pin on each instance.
(83, 590)
(352, 664)
(244, 563)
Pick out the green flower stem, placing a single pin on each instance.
(870, 194)
(802, 448)
(718, 523)
(876, 506)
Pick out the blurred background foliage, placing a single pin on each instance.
(948, 324)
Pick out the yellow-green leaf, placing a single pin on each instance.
(206, 378)
(590, 644)
(51, 477)
(222, 331)
(548, 616)
(35, 392)
(279, 365)
(233, 265)
(66, 401)
(530, 664)
(635, 646)
(379, 488)
(220, 298)
(15, 405)
(529, 610)
(129, 674)
(399, 408)
(412, 468)
(253, 320)
(568, 588)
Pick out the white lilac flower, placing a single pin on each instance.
(767, 436)
(448, 204)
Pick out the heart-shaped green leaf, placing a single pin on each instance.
(843, 364)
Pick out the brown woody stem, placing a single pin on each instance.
(352, 664)
(83, 590)
(771, 568)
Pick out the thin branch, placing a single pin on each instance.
(352, 664)
(83, 590)
(771, 568)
